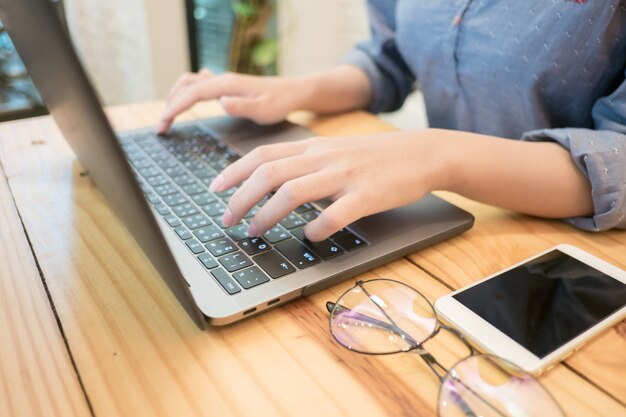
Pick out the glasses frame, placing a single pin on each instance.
(433, 364)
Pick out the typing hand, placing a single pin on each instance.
(264, 100)
(362, 176)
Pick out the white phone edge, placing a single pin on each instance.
(491, 340)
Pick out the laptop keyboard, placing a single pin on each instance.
(175, 171)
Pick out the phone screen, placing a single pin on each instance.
(546, 302)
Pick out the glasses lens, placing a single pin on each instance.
(382, 316)
(485, 385)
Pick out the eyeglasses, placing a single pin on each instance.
(384, 316)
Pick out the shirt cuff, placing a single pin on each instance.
(380, 101)
(601, 157)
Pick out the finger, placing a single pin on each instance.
(263, 180)
(202, 89)
(343, 212)
(292, 194)
(252, 108)
(186, 79)
(244, 167)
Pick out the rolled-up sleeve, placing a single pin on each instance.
(600, 153)
(391, 79)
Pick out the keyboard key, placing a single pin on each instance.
(165, 189)
(297, 253)
(298, 232)
(157, 180)
(184, 179)
(219, 221)
(225, 280)
(207, 260)
(291, 221)
(196, 221)
(153, 198)
(227, 194)
(194, 188)
(183, 233)
(237, 233)
(250, 277)
(253, 211)
(174, 171)
(274, 264)
(254, 245)
(208, 233)
(185, 210)
(148, 172)
(214, 209)
(163, 209)
(326, 249)
(276, 234)
(349, 240)
(172, 220)
(304, 208)
(263, 201)
(195, 246)
(221, 247)
(309, 216)
(140, 163)
(168, 163)
(235, 261)
(203, 199)
(204, 172)
(175, 199)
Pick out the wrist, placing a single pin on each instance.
(304, 91)
(446, 159)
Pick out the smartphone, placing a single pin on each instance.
(540, 310)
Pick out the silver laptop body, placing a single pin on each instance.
(47, 52)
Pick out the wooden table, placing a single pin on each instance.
(88, 328)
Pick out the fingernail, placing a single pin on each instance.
(227, 218)
(252, 231)
(217, 183)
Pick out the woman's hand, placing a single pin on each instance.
(362, 175)
(264, 100)
(268, 100)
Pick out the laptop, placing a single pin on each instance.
(158, 186)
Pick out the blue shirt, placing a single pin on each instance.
(536, 70)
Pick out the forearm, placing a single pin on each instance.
(536, 178)
(336, 90)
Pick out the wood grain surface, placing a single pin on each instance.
(138, 354)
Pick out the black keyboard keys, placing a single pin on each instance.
(196, 221)
(250, 277)
(276, 234)
(235, 261)
(195, 246)
(297, 253)
(254, 245)
(207, 260)
(225, 280)
(221, 247)
(348, 240)
(207, 233)
(183, 233)
(237, 233)
(274, 264)
(326, 248)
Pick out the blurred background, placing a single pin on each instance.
(135, 49)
